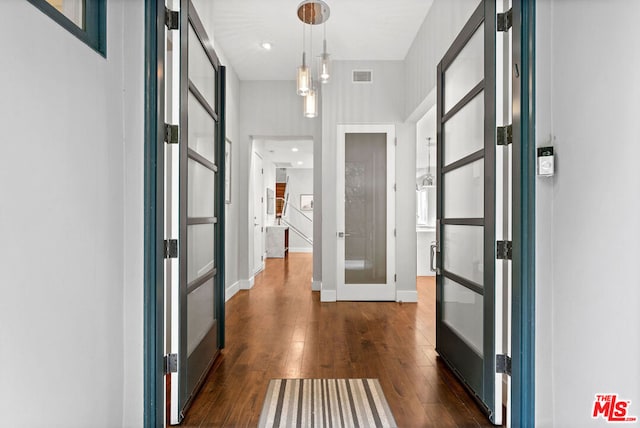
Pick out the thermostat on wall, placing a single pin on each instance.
(545, 161)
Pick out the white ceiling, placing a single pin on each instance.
(356, 30)
(286, 153)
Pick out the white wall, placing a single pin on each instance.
(444, 21)
(71, 218)
(300, 183)
(588, 234)
(382, 101)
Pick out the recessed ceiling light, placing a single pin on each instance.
(300, 162)
(266, 46)
(294, 149)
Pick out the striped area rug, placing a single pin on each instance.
(325, 403)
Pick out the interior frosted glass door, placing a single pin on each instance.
(366, 216)
(465, 308)
(199, 334)
(365, 209)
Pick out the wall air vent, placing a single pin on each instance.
(283, 165)
(362, 76)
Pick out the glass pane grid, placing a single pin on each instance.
(200, 252)
(201, 314)
(201, 190)
(201, 72)
(463, 252)
(463, 134)
(466, 70)
(462, 311)
(202, 127)
(463, 194)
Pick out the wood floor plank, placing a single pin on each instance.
(280, 329)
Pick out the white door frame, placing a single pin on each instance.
(258, 212)
(366, 292)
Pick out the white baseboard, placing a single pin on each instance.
(406, 296)
(328, 295)
(260, 268)
(246, 284)
(316, 285)
(231, 291)
(300, 250)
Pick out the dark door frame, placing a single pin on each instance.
(523, 322)
(524, 246)
(153, 214)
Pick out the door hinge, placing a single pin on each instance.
(170, 248)
(395, 233)
(262, 171)
(395, 277)
(171, 19)
(262, 229)
(171, 363)
(504, 250)
(503, 364)
(504, 135)
(504, 21)
(395, 141)
(395, 189)
(171, 133)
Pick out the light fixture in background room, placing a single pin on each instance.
(312, 12)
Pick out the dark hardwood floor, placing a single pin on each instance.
(280, 329)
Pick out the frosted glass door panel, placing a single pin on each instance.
(463, 251)
(462, 310)
(365, 208)
(466, 71)
(201, 190)
(201, 130)
(464, 132)
(200, 316)
(199, 250)
(201, 71)
(464, 191)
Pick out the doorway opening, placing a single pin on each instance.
(282, 197)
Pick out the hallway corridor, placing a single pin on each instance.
(279, 329)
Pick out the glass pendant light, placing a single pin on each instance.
(311, 103)
(312, 12)
(324, 73)
(303, 77)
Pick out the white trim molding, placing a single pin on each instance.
(247, 284)
(231, 291)
(407, 296)
(328, 295)
(300, 250)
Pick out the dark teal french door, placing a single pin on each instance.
(465, 278)
(197, 323)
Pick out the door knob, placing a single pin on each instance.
(342, 234)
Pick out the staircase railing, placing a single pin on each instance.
(288, 223)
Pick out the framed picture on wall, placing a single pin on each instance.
(306, 202)
(227, 171)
